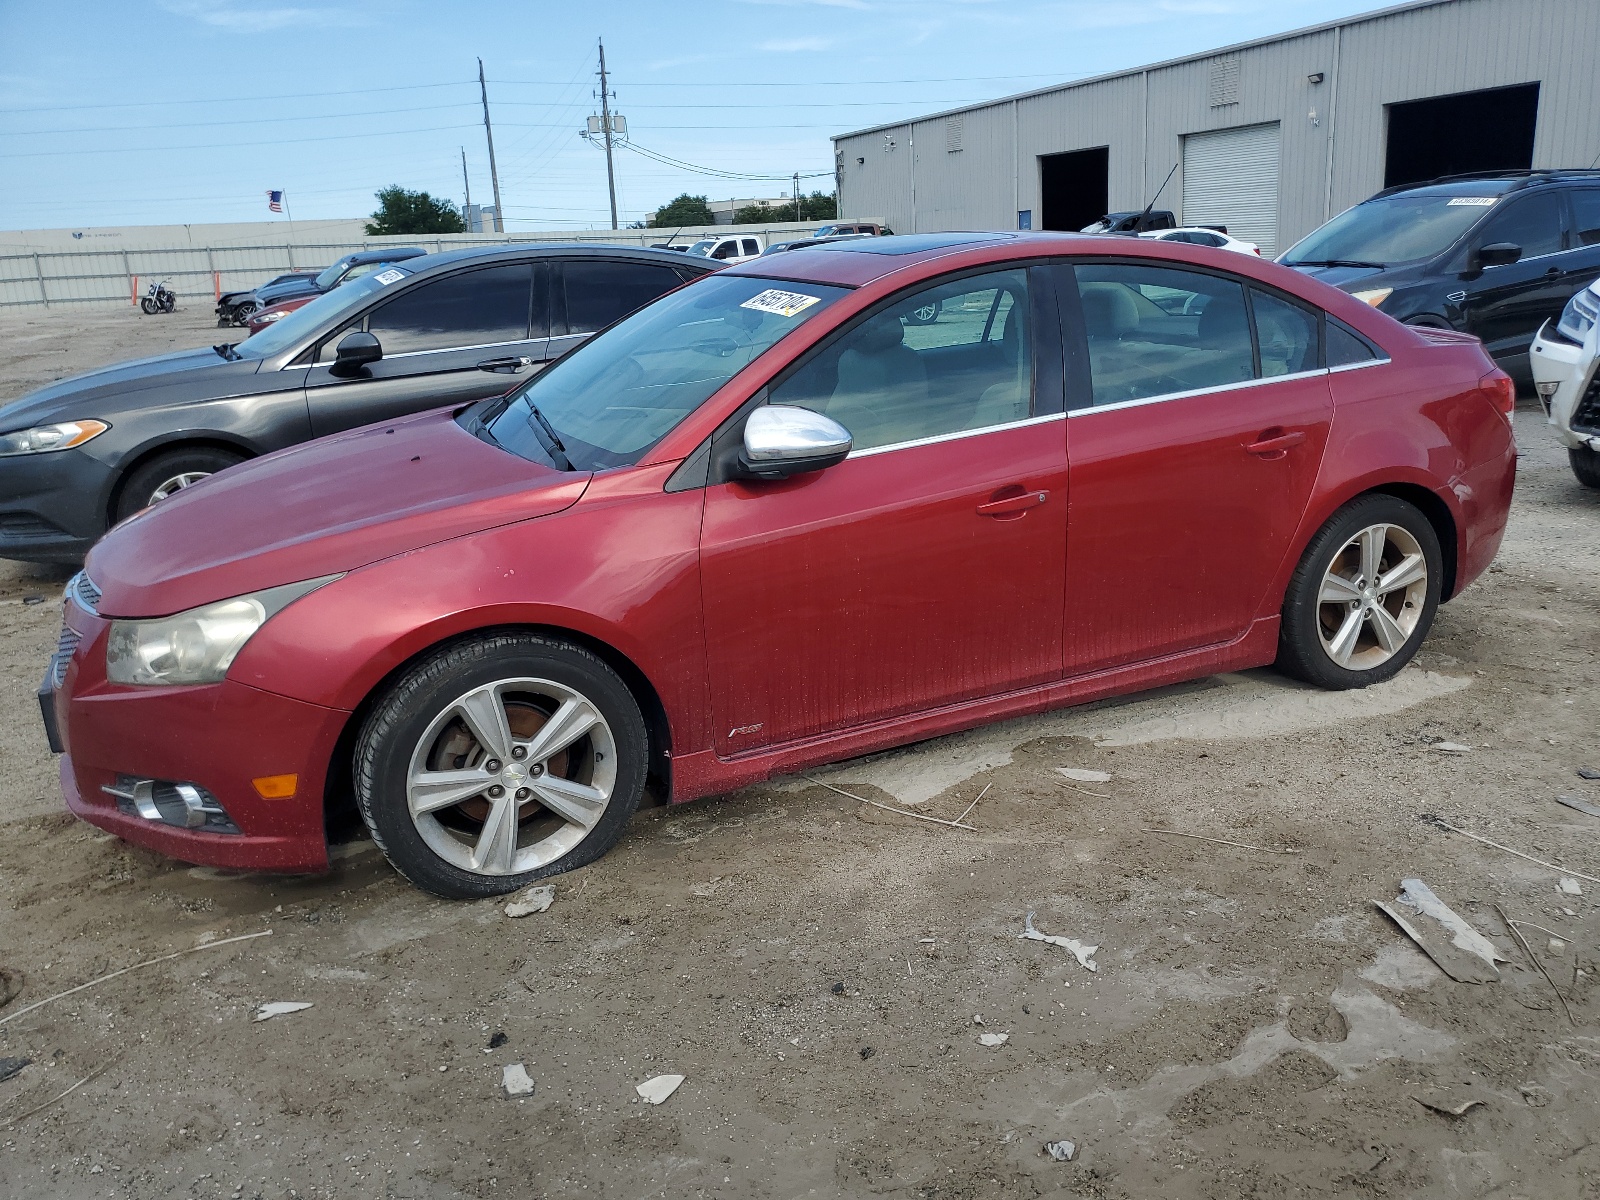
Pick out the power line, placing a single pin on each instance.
(380, 112)
(717, 172)
(337, 137)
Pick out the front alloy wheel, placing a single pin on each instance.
(1364, 595)
(499, 760)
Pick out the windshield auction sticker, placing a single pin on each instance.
(1472, 201)
(784, 304)
(388, 277)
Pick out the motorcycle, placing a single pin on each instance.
(159, 298)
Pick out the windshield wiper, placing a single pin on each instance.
(557, 450)
(227, 351)
(1335, 262)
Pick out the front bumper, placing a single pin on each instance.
(1574, 408)
(52, 506)
(218, 737)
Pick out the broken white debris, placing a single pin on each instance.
(1450, 1106)
(1467, 956)
(993, 1039)
(1062, 1151)
(1569, 886)
(1084, 954)
(279, 1008)
(1452, 747)
(1081, 775)
(656, 1091)
(514, 1078)
(530, 900)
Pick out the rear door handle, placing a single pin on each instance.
(1274, 443)
(1008, 505)
(506, 366)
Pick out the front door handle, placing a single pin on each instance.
(507, 366)
(1007, 506)
(1273, 442)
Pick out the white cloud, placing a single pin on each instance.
(794, 45)
(240, 16)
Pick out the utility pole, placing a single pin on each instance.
(797, 195)
(466, 208)
(605, 124)
(494, 175)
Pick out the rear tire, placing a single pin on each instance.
(1363, 597)
(1585, 465)
(169, 473)
(500, 760)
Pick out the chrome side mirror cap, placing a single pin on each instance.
(782, 440)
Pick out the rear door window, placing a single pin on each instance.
(469, 308)
(751, 247)
(1586, 216)
(598, 293)
(1154, 331)
(1286, 335)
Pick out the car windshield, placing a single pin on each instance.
(330, 275)
(1392, 229)
(703, 249)
(621, 392)
(306, 320)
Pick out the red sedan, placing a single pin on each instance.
(802, 509)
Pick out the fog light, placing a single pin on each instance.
(1547, 393)
(185, 805)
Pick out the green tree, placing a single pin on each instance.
(759, 214)
(818, 207)
(685, 210)
(404, 213)
(815, 207)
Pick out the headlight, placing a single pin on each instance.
(50, 437)
(1579, 316)
(1373, 296)
(267, 318)
(197, 646)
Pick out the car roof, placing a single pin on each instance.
(394, 254)
(494, 254)
(1496, 183)
(852, 262)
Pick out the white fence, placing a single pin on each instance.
(198, 274)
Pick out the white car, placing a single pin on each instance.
(730, 249)
(1563, 358)
(1197, 236)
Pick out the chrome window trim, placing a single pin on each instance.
(1210, 391)
(954, 435)
(1360, 366)
(442, 350)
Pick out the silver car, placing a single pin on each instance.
(1563, 357)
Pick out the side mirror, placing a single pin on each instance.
(1497, 254)
(355, 351)
(781, 440)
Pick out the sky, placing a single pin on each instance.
(157, 112)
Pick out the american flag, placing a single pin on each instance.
(275, 201)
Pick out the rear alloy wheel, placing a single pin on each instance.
(1585, 465)
(1363, 597)
(168, 474)
(499, 761)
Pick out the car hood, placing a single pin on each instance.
(85, 395)
(283, 291)
(1348, 278)
(320, 508)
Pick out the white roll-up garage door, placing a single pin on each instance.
(1230, 177)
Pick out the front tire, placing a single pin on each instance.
(1363, 597)
(500, 760)
(167, 474)
(148, 305)
(1585, 465)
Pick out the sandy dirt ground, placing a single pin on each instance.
(822, 971)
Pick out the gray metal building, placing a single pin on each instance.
(1270, 138)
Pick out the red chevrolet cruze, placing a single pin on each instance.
(805, 508)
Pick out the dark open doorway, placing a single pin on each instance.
(1491, 130)
(1073, 188)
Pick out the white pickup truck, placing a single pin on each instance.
(735, 248)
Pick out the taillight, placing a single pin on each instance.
(1256, 250)
(1502, 391)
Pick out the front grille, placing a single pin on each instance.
(82, 589)
(1586, 417)
(66, 644)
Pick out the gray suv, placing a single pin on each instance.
(82, 454)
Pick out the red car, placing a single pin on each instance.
(771, 520)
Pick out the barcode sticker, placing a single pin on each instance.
(784, 304)
(1472, 201)
(389, 276)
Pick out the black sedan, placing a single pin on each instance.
(84, 453)
(234, 307)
